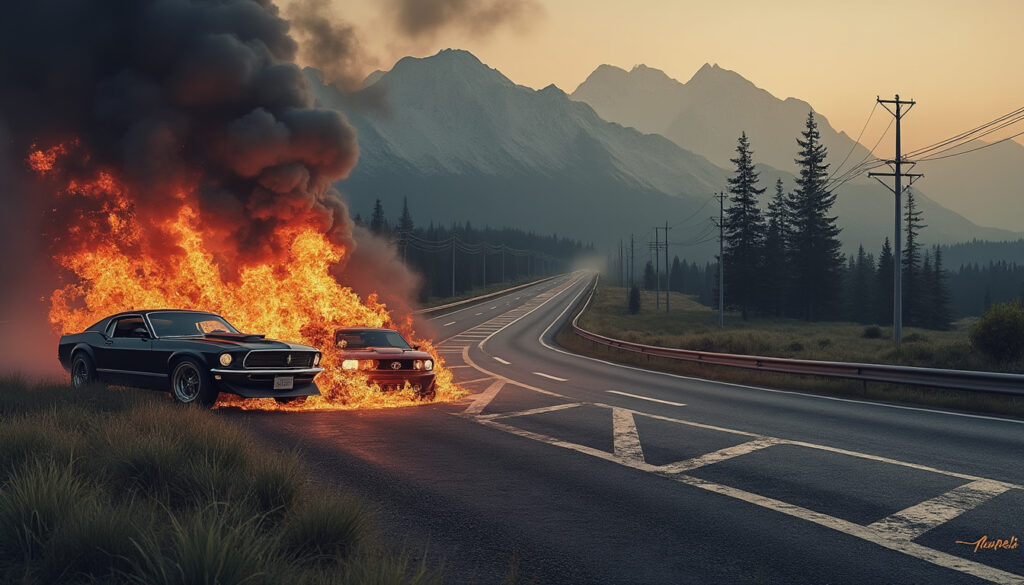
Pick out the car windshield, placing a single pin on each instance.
(172, 324)
(365, 339)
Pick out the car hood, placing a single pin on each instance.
(247, 341)
(385, 353)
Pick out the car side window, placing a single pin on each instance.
(125, 327)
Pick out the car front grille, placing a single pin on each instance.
(279, 359)
(388, 365)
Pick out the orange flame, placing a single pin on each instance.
(295, 300)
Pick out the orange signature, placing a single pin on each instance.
(984, 543)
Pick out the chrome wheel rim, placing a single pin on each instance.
(186, 383)
(79, 373)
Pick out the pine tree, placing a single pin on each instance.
(675, 280)
(744, 231)
(405, 224)
(883, 285)
(861, 287)
(377, 222)
(914, 302)
(650, 279)
(941, 314)
(774, 272)
(815, 259)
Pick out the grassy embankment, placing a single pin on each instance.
(123, 487)
(691, 325)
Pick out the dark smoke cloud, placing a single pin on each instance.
(171, 95)
(182, 92)
(329, 45)
(425, 18)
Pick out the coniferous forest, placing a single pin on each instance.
(782, 257)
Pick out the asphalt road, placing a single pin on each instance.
(589, 472)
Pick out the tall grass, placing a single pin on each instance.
(123, 487)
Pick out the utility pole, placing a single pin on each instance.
(897, 190)
(668, 272)
(454, 238)
(721, 259)
(622, 267)
(632, 262)
(655, 248)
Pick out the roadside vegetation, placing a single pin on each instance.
(123, 487)
(690, 325)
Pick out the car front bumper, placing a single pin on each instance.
(252, 383)
(418, 379)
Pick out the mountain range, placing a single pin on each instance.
(462, 142)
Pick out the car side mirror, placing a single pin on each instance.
(416, 347)
(140, 332)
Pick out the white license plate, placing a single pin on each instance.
(284, 382)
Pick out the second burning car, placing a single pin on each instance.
(387, 358)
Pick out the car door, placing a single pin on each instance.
(124, 356)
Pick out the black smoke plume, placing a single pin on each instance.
(425, 18)
(180, 99)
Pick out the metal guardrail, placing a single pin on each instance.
(1012, 384)
(470, 301)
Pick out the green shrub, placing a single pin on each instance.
(999, 333)
(824, 343)
(872, 332)
(795, 346)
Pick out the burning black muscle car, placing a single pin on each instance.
(194, 355)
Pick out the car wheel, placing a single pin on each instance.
(291, 400)
(191, 384)
(83, 372)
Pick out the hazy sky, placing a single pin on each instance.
(960, 60)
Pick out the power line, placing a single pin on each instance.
(857, 141)
(971, 150)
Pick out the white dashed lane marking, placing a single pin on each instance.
(550, 377)
(658, 400)
(447, 324)
(501, 361)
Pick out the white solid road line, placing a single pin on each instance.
(494, 307)
(550, 377)
(447, 324)
(477, 314)
(501, 361)
(627, 441)
(658, 400)
(914, 521)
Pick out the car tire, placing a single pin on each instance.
(83, 372)
(291, 400)
(191, 384)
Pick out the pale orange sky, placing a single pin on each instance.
(960, 60)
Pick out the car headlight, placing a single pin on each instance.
(428, 365)
(225, 359)
(417, 364)
(350, 365)
(316, 359)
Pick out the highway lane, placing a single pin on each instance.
(570, 465)
(454, 321)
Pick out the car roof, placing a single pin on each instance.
(363, 329)
(148, 311)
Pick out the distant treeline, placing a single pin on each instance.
(786, 260)
(459, 258)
